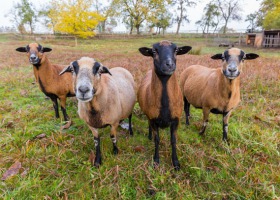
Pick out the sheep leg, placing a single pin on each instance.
(150, 136)
(226, 116)
(63, 108)
(113, 136)
(206, 112)
(173, 131)
(187, 110)
(97, 160)
(55, 106)
(155, 130)
(130, 126)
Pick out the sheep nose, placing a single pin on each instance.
(83, 89)
(169, 64)
(234, 69)
(33, 57)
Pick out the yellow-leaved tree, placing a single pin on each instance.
(74, 17)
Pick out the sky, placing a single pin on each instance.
(194, 14)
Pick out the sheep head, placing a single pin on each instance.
(86, 74)
(164, 55)
(35, 52)
(233, 59)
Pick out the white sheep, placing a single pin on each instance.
(105, 97)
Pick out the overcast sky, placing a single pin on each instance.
(248, 6)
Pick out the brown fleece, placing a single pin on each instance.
(150, 92)
(208, 88)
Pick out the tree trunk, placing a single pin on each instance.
(138, 29)
(180, 18)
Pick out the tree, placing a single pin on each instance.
(229, 11)
(270, 10)
(74, 17)
(252, 19)
(211, 18)
(161, 21)
(135, 12)
(22, 14)
(182, 11)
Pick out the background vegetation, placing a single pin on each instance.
(84, 18)
(50, 163)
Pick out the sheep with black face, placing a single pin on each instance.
(215, 90)
(105, 97)
(47, 75)
(159, 94)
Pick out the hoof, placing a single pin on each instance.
(115, 151)
(156, 165)
(201, 133)
(131, 133)
(226, 141)
(97, 164)
(150, 137)
(176, 165)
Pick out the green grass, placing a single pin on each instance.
(59, 165)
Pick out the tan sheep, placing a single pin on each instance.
(105, 97)
(214, 90)
(159, 94)
(47, 75)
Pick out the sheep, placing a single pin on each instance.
(105, 97)
(159, 94)
(214, 90)
(47, 75)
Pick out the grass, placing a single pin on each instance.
(58, 166)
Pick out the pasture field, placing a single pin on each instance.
(57, 165)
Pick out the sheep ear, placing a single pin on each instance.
(66, 69)
(21, 49)
(251, 56)
(104, 70)
(46, 49)
(99, 69)
(146, 51)
(183, 50)
(217, 56)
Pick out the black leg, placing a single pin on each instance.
(130, 126)
(114, 141)
(173, 130)
(187, 110)
(66, 118)
(156, 139)
(150, 136)
(55, 106)
(97, 161)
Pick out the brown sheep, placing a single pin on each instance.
(214, 90)
(47, 75)
(159, 94)
(105, 97)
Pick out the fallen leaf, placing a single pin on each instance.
(40, 136)
(10, 124)
(66, 126)
(91, 158)
(139, 149)
(23, 93)
(13, 170)
(24, 173)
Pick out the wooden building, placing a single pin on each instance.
(266, 39)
